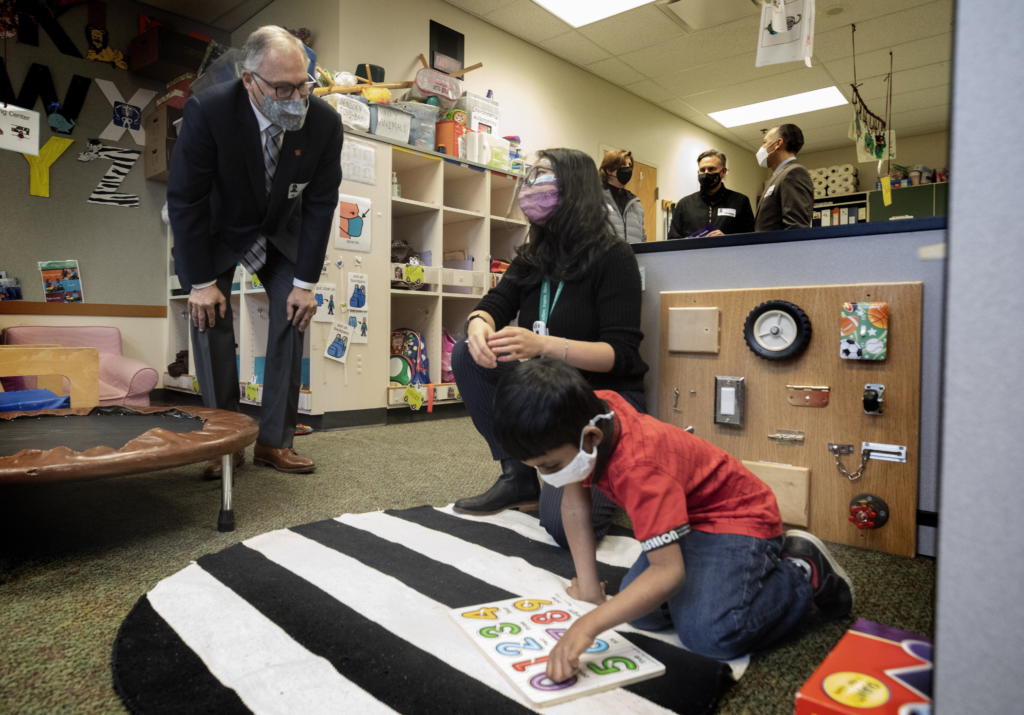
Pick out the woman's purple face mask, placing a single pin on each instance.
(539, 196)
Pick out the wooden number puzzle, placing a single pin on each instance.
(518, 634)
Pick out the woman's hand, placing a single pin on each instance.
(594, 594)
(564, 659)
(478, 333)
(511, 343)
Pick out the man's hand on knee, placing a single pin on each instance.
(301, 306)
(205, 305)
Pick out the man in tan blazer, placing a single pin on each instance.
(788, 197)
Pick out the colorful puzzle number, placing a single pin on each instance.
(494, 631)
(542, 682)
(611, 665)
(518, 648)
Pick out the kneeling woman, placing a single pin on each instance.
(574, 291)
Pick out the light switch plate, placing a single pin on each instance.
(693, 330)
(730, 399)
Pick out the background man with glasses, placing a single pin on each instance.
(254, 180)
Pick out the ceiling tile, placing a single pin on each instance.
(633, 30)
(576, 48)
(720, 73)
(615, 71)
(875, 88)
(800, 80)
(886, 31)
(649, 90)
(695, 49)
(529, 21)
(860, 11)
(906, 55)
(478, 7)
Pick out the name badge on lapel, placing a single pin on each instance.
(296, 189)
(727, 212)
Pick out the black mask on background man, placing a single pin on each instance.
(708, 182)
(624, 174)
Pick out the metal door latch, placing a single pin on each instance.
(874, 396)
(808, 395)
(841, 450)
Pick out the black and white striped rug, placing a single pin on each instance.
(350, 615)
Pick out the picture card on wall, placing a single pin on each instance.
(354, 223)
(19, 129)
(358, 162)
(338, 343)
(359, 322)
(357, 297)
(326, 303)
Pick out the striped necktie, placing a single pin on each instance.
(256, 257)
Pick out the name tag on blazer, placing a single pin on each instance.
(296, 189)
(769, 191)
(727, 212)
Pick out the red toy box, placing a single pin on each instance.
(873, 669)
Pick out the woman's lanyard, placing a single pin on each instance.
(546, 306)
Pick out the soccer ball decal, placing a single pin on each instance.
(849, 350)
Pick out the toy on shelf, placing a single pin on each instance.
(428, 82)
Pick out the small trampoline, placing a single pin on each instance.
(71, 444)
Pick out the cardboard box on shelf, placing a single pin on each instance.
(160, 136)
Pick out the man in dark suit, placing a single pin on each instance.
(788, 197)
(254, 179)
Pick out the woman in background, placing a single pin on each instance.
(624, 209)
(574, 290)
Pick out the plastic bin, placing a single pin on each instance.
(354, 111)
(390, 121)
(422, 128)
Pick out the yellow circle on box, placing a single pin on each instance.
(855, 690)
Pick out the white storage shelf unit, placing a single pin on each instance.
(452, 214)
(445, 207)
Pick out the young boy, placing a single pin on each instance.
(714, 565)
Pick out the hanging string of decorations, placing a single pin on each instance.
(870, 132)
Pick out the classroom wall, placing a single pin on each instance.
(121, 251)
(545, 100)
(931, 150)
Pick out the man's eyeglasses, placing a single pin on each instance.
(285, 90)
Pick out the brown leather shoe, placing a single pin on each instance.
(213, 469)
(283, 459)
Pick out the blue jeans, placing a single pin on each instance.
(738, 595)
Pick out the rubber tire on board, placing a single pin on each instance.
(803, 330)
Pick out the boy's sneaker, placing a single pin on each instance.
(832, 588)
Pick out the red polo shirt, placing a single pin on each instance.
(670, 481)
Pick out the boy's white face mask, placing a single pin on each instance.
(581, 465)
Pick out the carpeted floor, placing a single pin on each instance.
(78, 555)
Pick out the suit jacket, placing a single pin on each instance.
(216, 191)
(787, 201)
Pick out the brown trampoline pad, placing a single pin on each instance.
(54, 445)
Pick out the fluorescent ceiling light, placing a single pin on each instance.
(578, 13)
(782, 107)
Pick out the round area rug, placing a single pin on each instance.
(352, 615)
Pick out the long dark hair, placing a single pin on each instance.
(578, 232)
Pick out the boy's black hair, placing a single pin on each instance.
(542, 404)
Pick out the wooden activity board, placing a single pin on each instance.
(517, 636)
(782, 433)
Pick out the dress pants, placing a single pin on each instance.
(215, 356)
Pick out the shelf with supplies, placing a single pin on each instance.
(840, 210)
(922, 201)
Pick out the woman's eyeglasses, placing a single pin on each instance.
(538, 175)
(285, 90)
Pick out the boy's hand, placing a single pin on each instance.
(594, 594)
(564, 660)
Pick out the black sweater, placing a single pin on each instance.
(602, 307)
(697, 210)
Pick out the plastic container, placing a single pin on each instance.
(431, 83)
(422, 129)
(354, 111)
(391, 122)
(475, 103)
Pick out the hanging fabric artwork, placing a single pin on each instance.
(122, 161)
(786, 32)
(127, 115)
